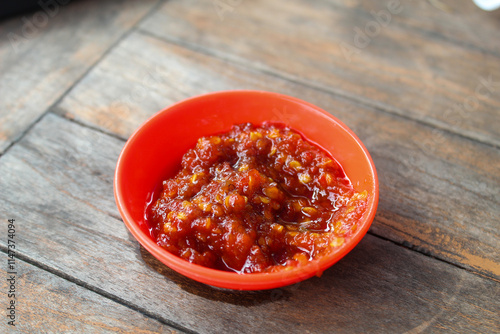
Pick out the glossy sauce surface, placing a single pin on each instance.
(255, 199)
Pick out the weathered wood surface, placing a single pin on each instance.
(67, 208)
(415, 95)
(424, 68)
(42, 54)
(47, 303)
(439, 191)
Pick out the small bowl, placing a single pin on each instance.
(154, 152)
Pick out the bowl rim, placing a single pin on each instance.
(233, 280)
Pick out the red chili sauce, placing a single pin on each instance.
(255, 199)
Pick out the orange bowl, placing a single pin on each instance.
(154, 152)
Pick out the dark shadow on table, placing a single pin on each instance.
(376, 280)
(243, 298)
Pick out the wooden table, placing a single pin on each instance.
(418, 81)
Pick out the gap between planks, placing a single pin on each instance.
(377, 106)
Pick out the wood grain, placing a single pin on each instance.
(439, 192)
(415, 95)
(45, 52)
(379, 287)
(406, 66)
(49, 304)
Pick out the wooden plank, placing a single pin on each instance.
(379, 287)
(45, 52)
(46, 303)
(400, 67)
(439, 192)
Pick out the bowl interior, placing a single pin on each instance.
(154, 152)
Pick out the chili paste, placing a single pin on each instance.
(255, 199)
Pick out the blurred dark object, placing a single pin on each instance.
(8, 8)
